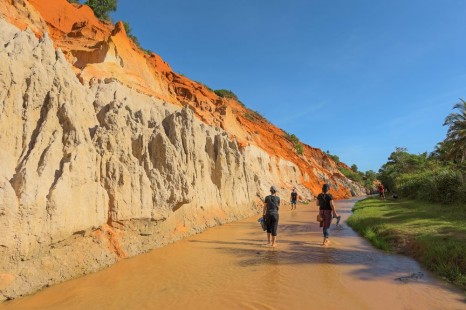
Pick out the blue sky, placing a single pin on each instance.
(357, 78)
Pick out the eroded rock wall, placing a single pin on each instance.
(92, 174)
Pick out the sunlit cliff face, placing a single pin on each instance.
(100, 50)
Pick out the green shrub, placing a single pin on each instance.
(291, 137)
(102, 8)
(335, 158)
(297, 144)
(224, 93)
(134, 38)
(440, 185)
(355, 176)
(299, 148)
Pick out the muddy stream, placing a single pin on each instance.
(227, 267)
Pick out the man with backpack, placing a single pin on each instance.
(270, 213)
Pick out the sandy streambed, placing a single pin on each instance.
(227, 268)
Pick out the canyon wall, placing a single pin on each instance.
(106, 153)
(92, 174)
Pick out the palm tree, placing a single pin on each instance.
(442, 152)
(456, 135)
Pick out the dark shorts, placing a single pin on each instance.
(293, 201)
(272, 223)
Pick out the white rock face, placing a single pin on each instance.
(92, 174)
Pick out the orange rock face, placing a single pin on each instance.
(101, 50)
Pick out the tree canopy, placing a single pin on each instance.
(102, 8)
(438, 177)
(455, 142)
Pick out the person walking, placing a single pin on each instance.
(294, 198)
(381, 191)
(270, 213)
(326, 210)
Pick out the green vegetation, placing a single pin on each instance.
(134, 38)
(437, 177)
(258, 115)
(454, 145)
(297, 144)
(102, 8)
(335, 158)
(254, 116)
(130, 34)
(224, 93)
(424, 177)
(350, 174)
(432, 233)
(431, 225)
(367, 179)
(200, 83)
(299, 148)
(250, 116)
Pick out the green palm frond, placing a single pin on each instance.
(454, 146)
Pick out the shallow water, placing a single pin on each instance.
(227, 268)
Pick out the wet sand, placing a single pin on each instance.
(227, 267)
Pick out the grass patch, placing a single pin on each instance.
(225, 93)
(434, 234)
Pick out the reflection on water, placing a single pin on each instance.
(228, 268)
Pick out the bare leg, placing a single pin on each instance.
(268, 238)
(274, 238)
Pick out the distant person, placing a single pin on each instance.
(270, 213)
(326, 211)
(381, 191)
(294, 199)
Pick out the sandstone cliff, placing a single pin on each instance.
(100, 50)
(107, 153)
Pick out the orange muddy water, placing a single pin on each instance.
(226, 267)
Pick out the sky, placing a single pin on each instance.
(356, 78)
